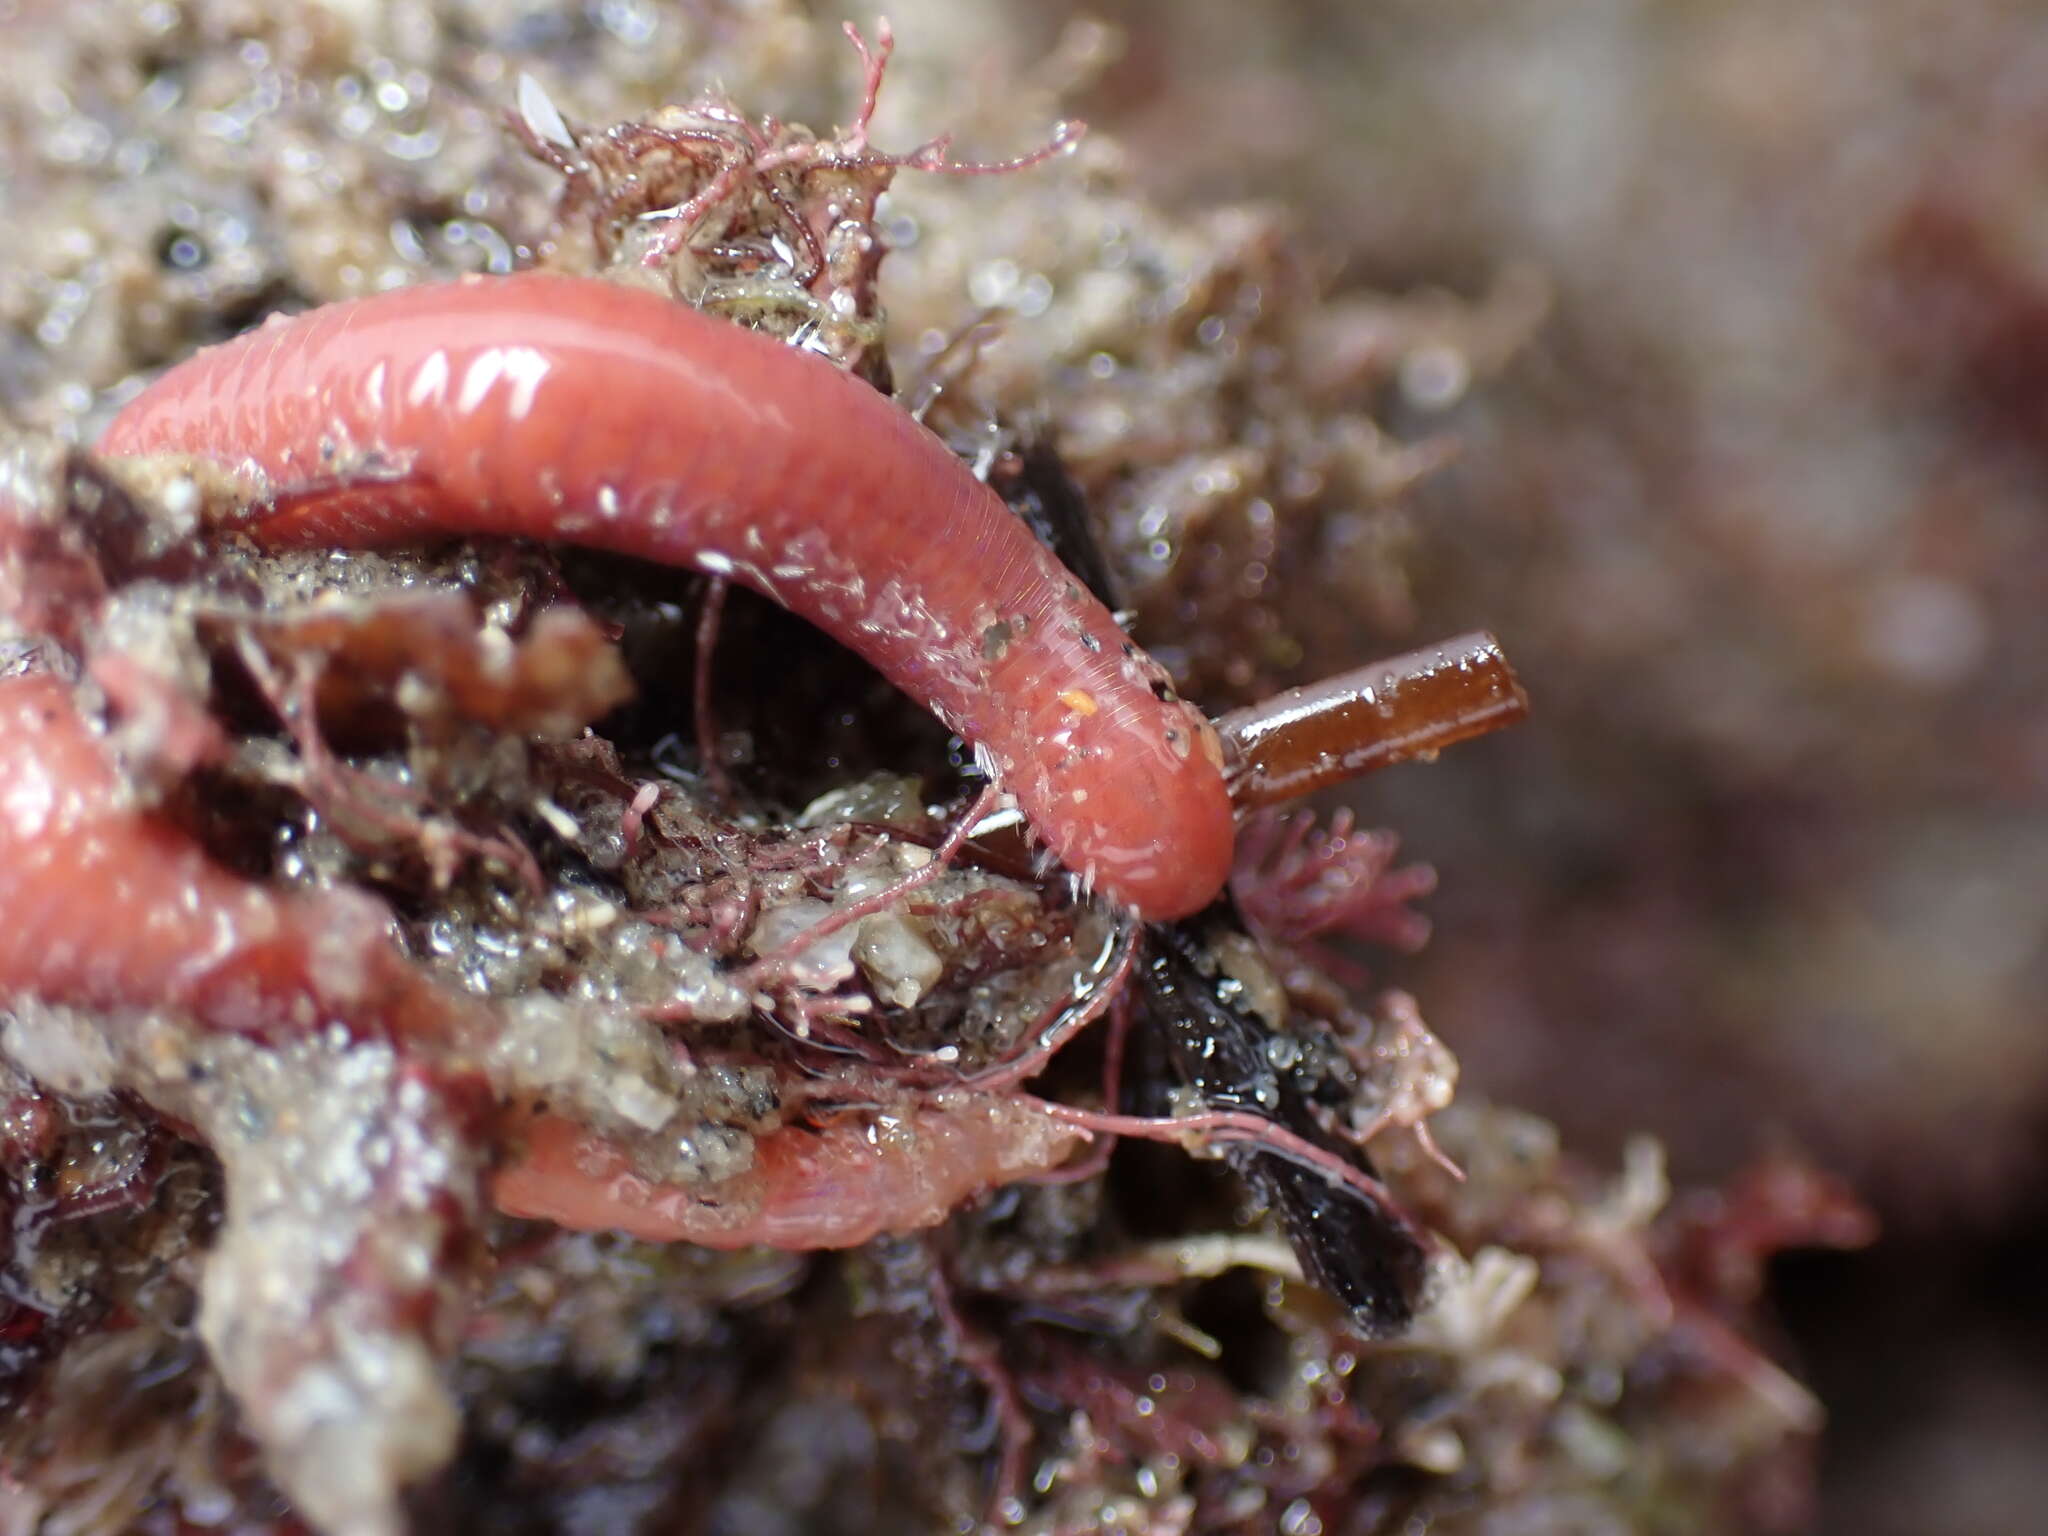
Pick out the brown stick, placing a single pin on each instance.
(1406, 707)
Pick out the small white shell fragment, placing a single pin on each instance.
(539, 111)
(897, 961)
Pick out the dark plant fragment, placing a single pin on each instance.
(1369, 1256)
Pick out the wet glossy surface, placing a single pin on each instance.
(575, 410)
(104, 906)
(1408, 706)
(833, 1189)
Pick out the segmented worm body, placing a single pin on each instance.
(104, 906)
(569, 409)
(834, 1188)
(573, 410)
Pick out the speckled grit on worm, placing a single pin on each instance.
(570, 409)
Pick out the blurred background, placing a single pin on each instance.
(1759, 505)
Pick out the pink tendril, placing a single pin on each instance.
(709, 617)
(1072, 1016)
(1227, 1125)
(635, 816)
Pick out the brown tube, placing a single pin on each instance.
(1408, 706)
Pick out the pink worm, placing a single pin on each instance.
(565, 408)
(831, 1189)
(105, 906)
(102, 906)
